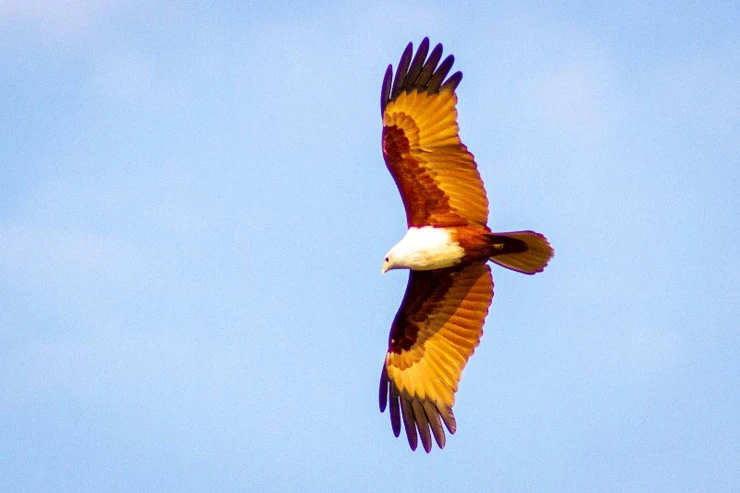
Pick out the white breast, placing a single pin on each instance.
(426, 248)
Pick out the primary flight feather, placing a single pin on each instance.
(446, 248)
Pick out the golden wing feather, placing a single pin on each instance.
(435, 173)
(436, 330)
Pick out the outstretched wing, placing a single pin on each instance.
(435, 174)
(436, 330)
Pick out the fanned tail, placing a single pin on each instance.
(522, 251)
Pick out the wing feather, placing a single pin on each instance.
(436, 330)
(435, 423)
(422, 424)
(428, 70)
(417, 64)
(401, 73)
(395, 413)
(439, 75)
(409, 423)
(435, 173)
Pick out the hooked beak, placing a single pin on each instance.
(385, 267)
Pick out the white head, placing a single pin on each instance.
(411, 252)
(394, 259)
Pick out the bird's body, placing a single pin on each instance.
(430, 247)
(446, 247)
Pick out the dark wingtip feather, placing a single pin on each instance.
(428, 70)
(452, 82)
(417, 64)
(402, 70)
(385, 90)
(422, 418)
(395, 412)
(449, 419)
(409, 423)
(435, 423)
(422, 424)
(415, 73)
(439, 75)
(383, 391)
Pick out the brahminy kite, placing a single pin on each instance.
(446, 248)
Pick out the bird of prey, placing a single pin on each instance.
(446, 248)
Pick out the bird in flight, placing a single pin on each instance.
(446, 248)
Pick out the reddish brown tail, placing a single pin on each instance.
(523, 251)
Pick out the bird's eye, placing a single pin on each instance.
(386, 259)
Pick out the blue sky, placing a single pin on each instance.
(194, 209)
